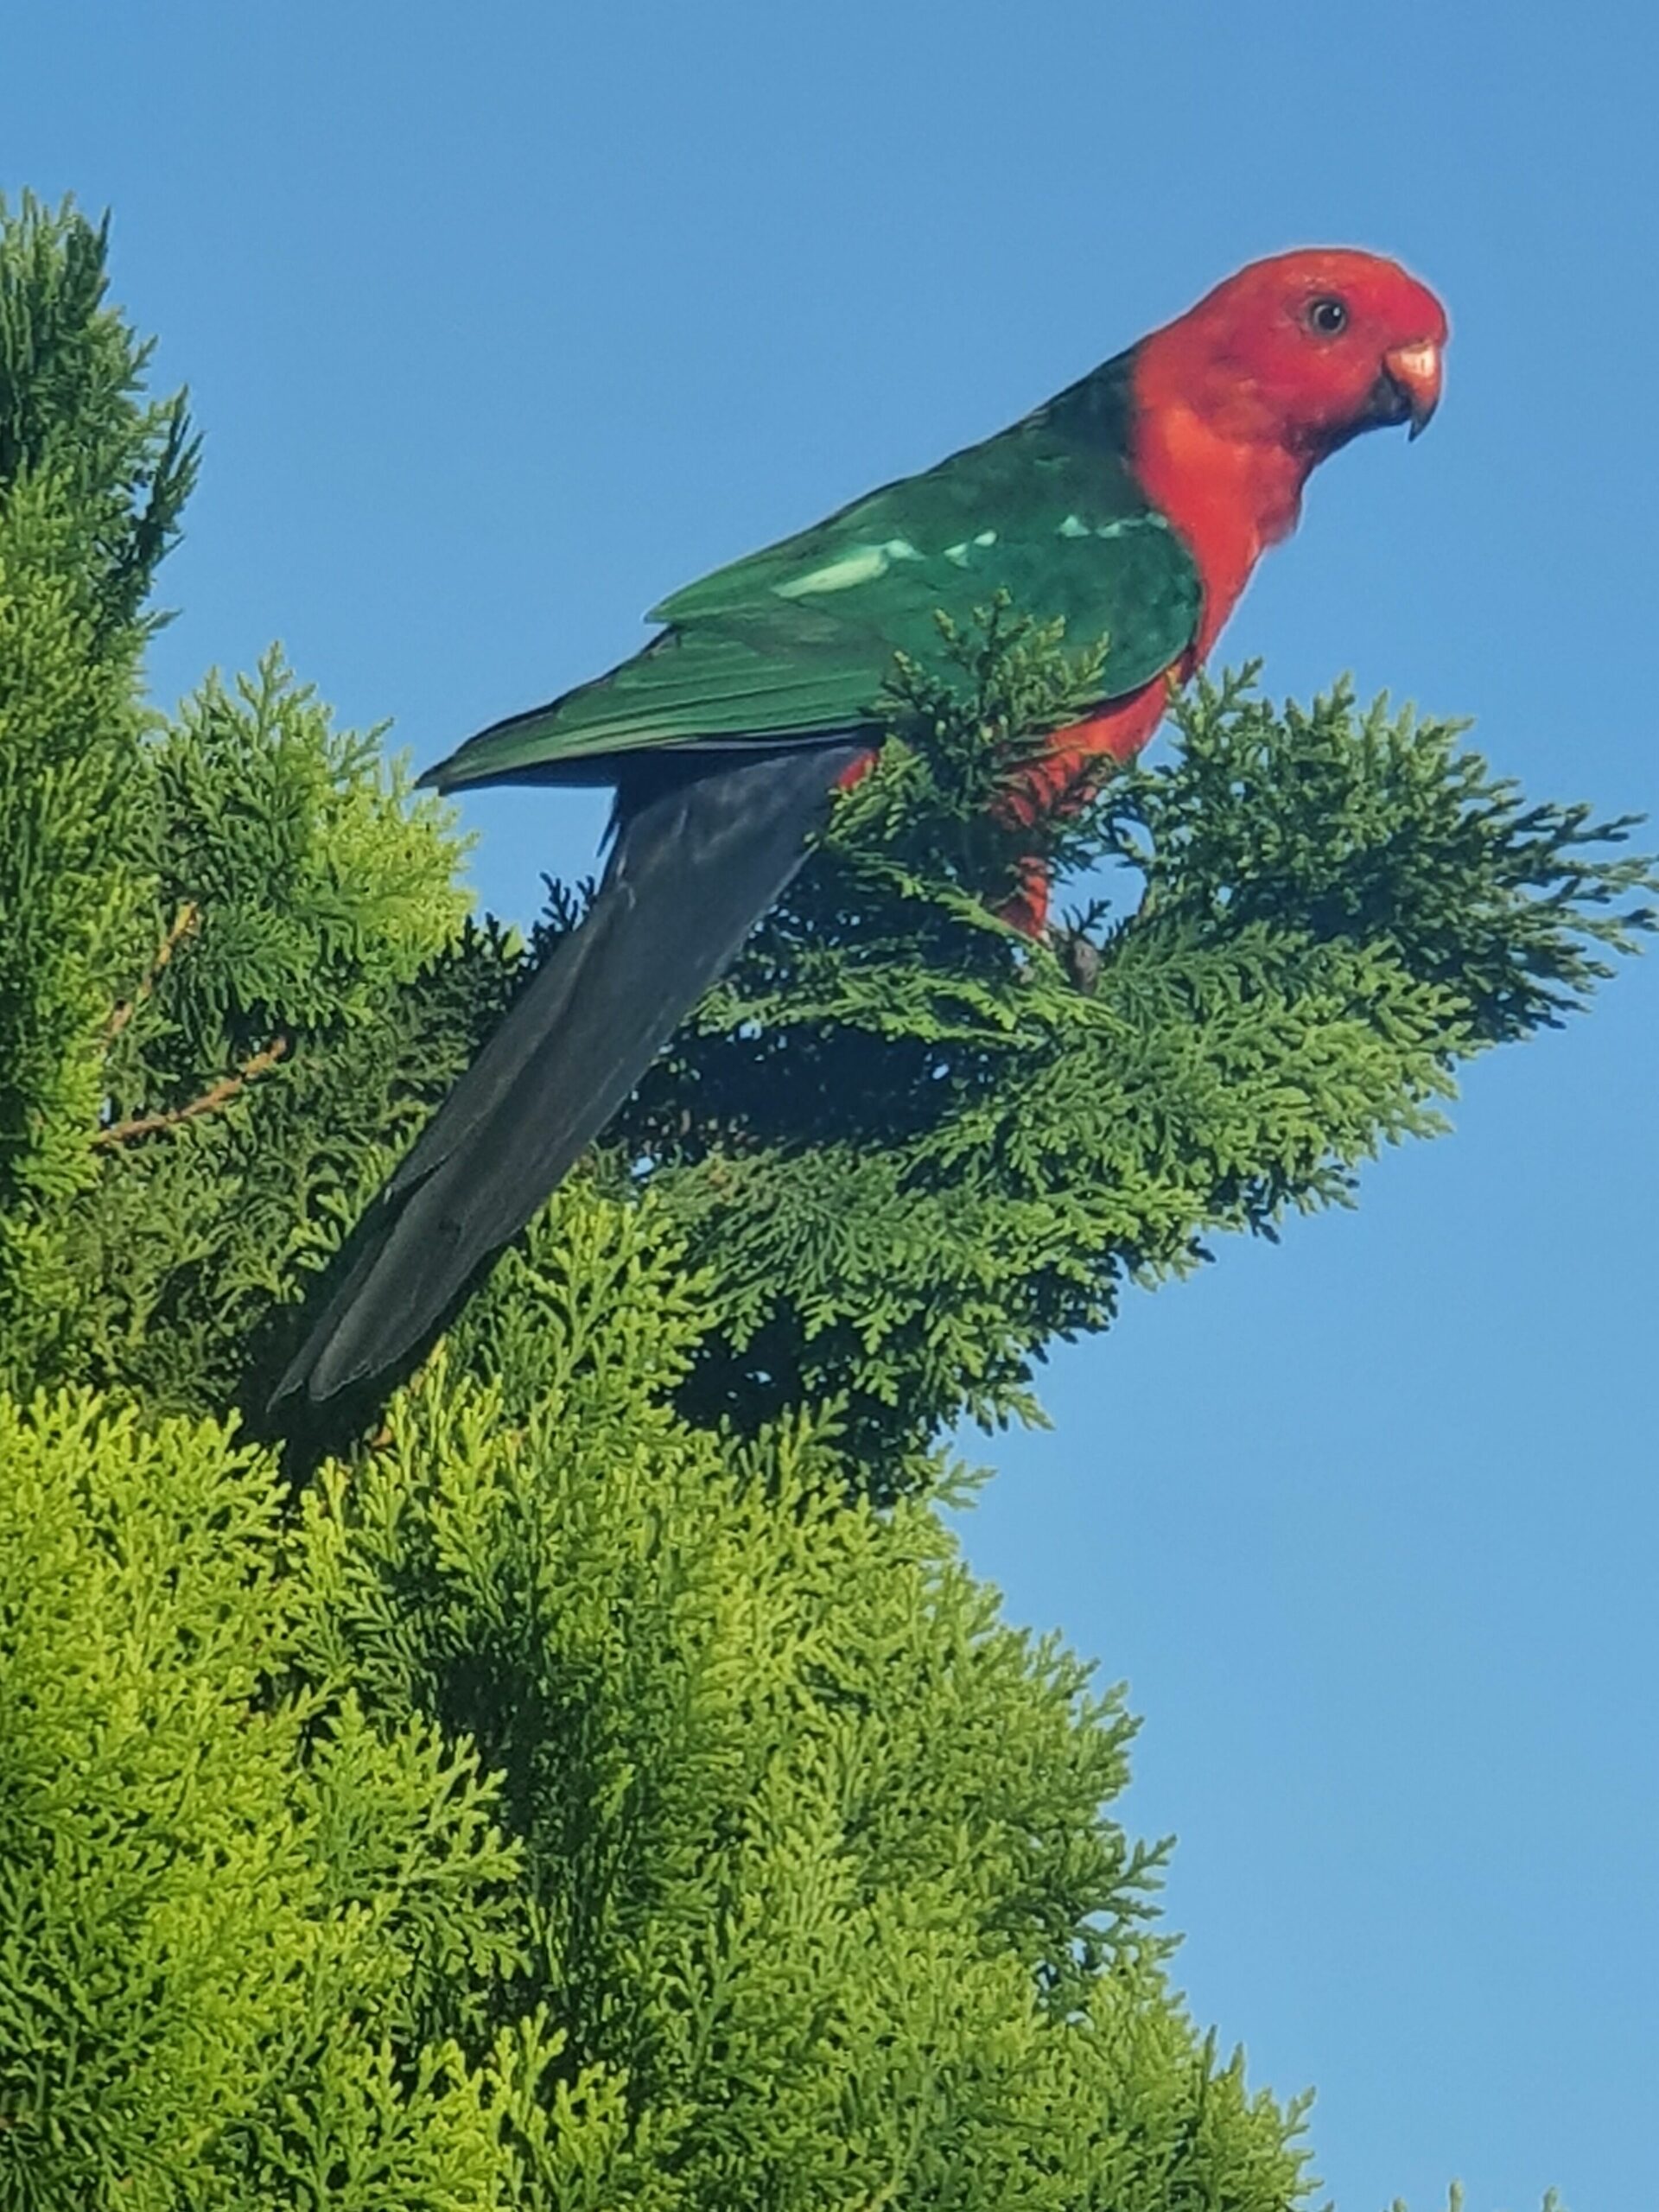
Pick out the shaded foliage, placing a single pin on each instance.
(916, 1148)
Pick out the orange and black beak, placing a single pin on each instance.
(1413, 374)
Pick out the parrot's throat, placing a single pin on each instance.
(1230, 496)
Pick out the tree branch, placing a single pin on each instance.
(186, 919)
(143, 1125)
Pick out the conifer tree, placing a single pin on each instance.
(601, 1782)
(92, 479)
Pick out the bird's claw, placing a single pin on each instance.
(1078, 955)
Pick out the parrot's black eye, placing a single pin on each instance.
(1327, 316)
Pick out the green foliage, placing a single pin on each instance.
(242, 1936)
(73, 417)
(92, 479)
(792, 1880)
(212, 1036)
(913, 1149)
(309, 983)
(606, 1785)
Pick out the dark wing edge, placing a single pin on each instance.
(697, 860)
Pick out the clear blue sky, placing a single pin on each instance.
(503, 320)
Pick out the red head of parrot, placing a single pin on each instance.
(1237, 400)
(1234, 403)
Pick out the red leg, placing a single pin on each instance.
(1077, 761)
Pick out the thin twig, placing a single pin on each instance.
(143, 1125)
(186, 919)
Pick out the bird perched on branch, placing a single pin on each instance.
(1134, 504)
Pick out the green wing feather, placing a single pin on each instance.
(797, 640)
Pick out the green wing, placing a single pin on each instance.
(798, 640)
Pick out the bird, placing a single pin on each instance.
(1135, 504)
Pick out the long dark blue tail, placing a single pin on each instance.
(697, 860)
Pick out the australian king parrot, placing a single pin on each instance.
(1135, 504)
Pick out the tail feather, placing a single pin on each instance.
(695, 863)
